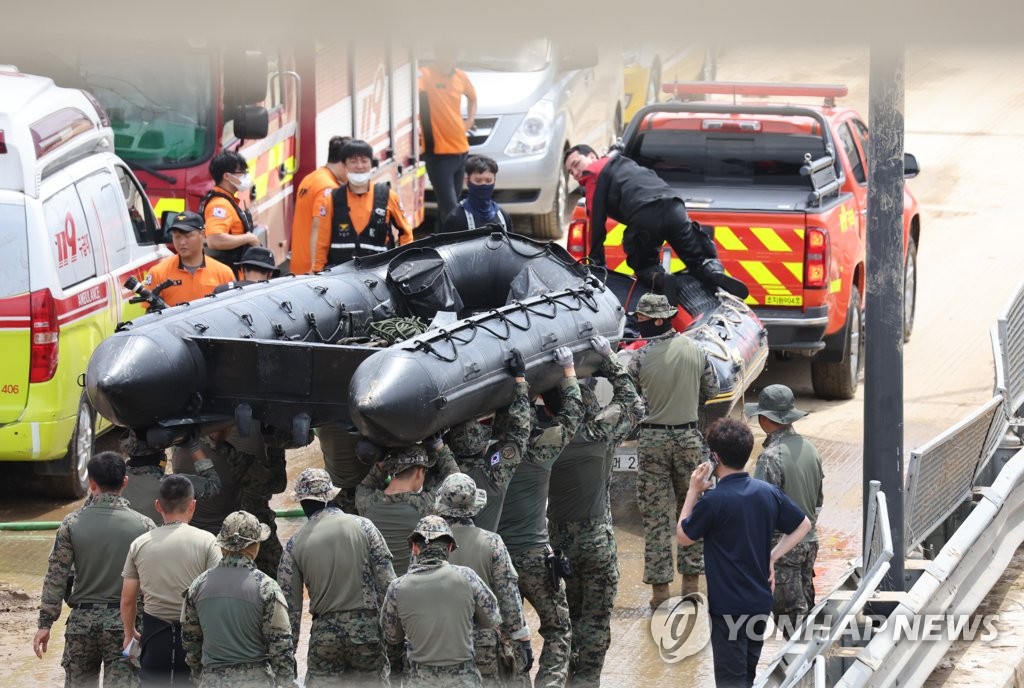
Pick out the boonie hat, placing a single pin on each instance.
(413, 455)
(259, 257)
(240, 530)
(187, 222)
(469, 438)
(655, 306)
(315, 483)
(459, 497)
(431, 528)
(775, 403)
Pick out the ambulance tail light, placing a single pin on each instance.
(100, 110)
(815, 258)
(574, 242)
(45, 333)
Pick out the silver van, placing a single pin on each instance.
(535, 99)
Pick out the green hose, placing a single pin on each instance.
(54, 525)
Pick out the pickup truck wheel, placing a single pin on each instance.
(909, 289)
(72, 481)
(551, 225)
(839, 380)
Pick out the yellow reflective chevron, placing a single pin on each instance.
(163, 205)
(771, 239)
(728, 239)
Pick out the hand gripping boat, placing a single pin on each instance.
(267, 351)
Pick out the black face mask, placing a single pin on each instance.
(648, 328)
(312, 507)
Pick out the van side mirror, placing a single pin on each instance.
(251, 122)
(578, 57)
(910, 166)
(245, 77)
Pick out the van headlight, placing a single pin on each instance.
(534, 133)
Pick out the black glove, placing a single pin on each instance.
(526, 650)
(368, 453)
(517, 364)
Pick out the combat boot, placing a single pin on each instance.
(712, 272)
(691, 583)
(659, 593)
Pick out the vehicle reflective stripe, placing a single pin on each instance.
(36, 441)
(614, 236)
(765, 277)
(797, 270)
(163, 205)
(835, 286)
(771, 239)
(727, 239)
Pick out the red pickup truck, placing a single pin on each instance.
(783, 187)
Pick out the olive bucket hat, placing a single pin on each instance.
(655, 306)
(240, 530)
(459, 497)
(775, 403)
(413, 455)
(431, 528)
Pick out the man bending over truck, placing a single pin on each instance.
(618, 188)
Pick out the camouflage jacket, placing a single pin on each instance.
(805, 486)
(616, 421)
(510, 437)
(371, 490)
(62, 556)
(376, 571)
(486, 604)
(276, 634)
(205, 481)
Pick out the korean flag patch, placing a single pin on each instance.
(219, 212)
(495, 458)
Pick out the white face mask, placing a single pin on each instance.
(359, 178)
(244, 182)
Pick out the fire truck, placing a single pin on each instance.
(782, 183)
(174, 103)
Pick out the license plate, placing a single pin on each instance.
(624, 461)
(783, 300)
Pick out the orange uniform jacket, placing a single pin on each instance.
(359, 207)
(193, 286)
(307, 206)
(220, 217)
(447, 134)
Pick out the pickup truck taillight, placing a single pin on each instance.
(815, 258)
(574, 241)
(45, 332)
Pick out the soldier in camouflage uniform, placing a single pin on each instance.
(458, 501)
(338, 444)
(346, 567)
(790, 462)
(674, 374)
(523, 524)
(235, 626)
(95, 540)
(580, 519)
(147, 466)
(399, 491)
(434, 606)
(491, 454)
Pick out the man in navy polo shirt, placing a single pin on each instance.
(736, 520)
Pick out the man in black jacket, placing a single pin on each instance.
(618, 188)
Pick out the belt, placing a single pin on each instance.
(97, 605)
(661, 426)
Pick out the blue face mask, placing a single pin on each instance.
(478, 200)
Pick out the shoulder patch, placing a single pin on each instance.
(508, 452)
(149, 279)
(495, 458)
(323, 211)
(219, 212)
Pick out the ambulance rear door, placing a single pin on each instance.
(15, 309)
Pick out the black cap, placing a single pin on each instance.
(259, 257)
(187, 222)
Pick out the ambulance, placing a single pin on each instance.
(75, 223)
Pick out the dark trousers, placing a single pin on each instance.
(736, 658)
(162, 662)
(653, 225)
(446, 172)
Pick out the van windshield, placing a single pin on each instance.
(532, 56)
(160, 101)
(14, 256)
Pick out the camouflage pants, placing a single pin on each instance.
(462, 675)
(262, 479)
(590, 546)
(667, 458)
(346, 471)
(346, 648)
(241, 676)
(794, 583)
(93, 638)
(553, 611)
(485, 653)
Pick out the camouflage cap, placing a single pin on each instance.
(469, 439)
(315, 484)
(775, 403)
(431, 528)
(413, 455)
(459, 497)
(240, 530)
(655, 306)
